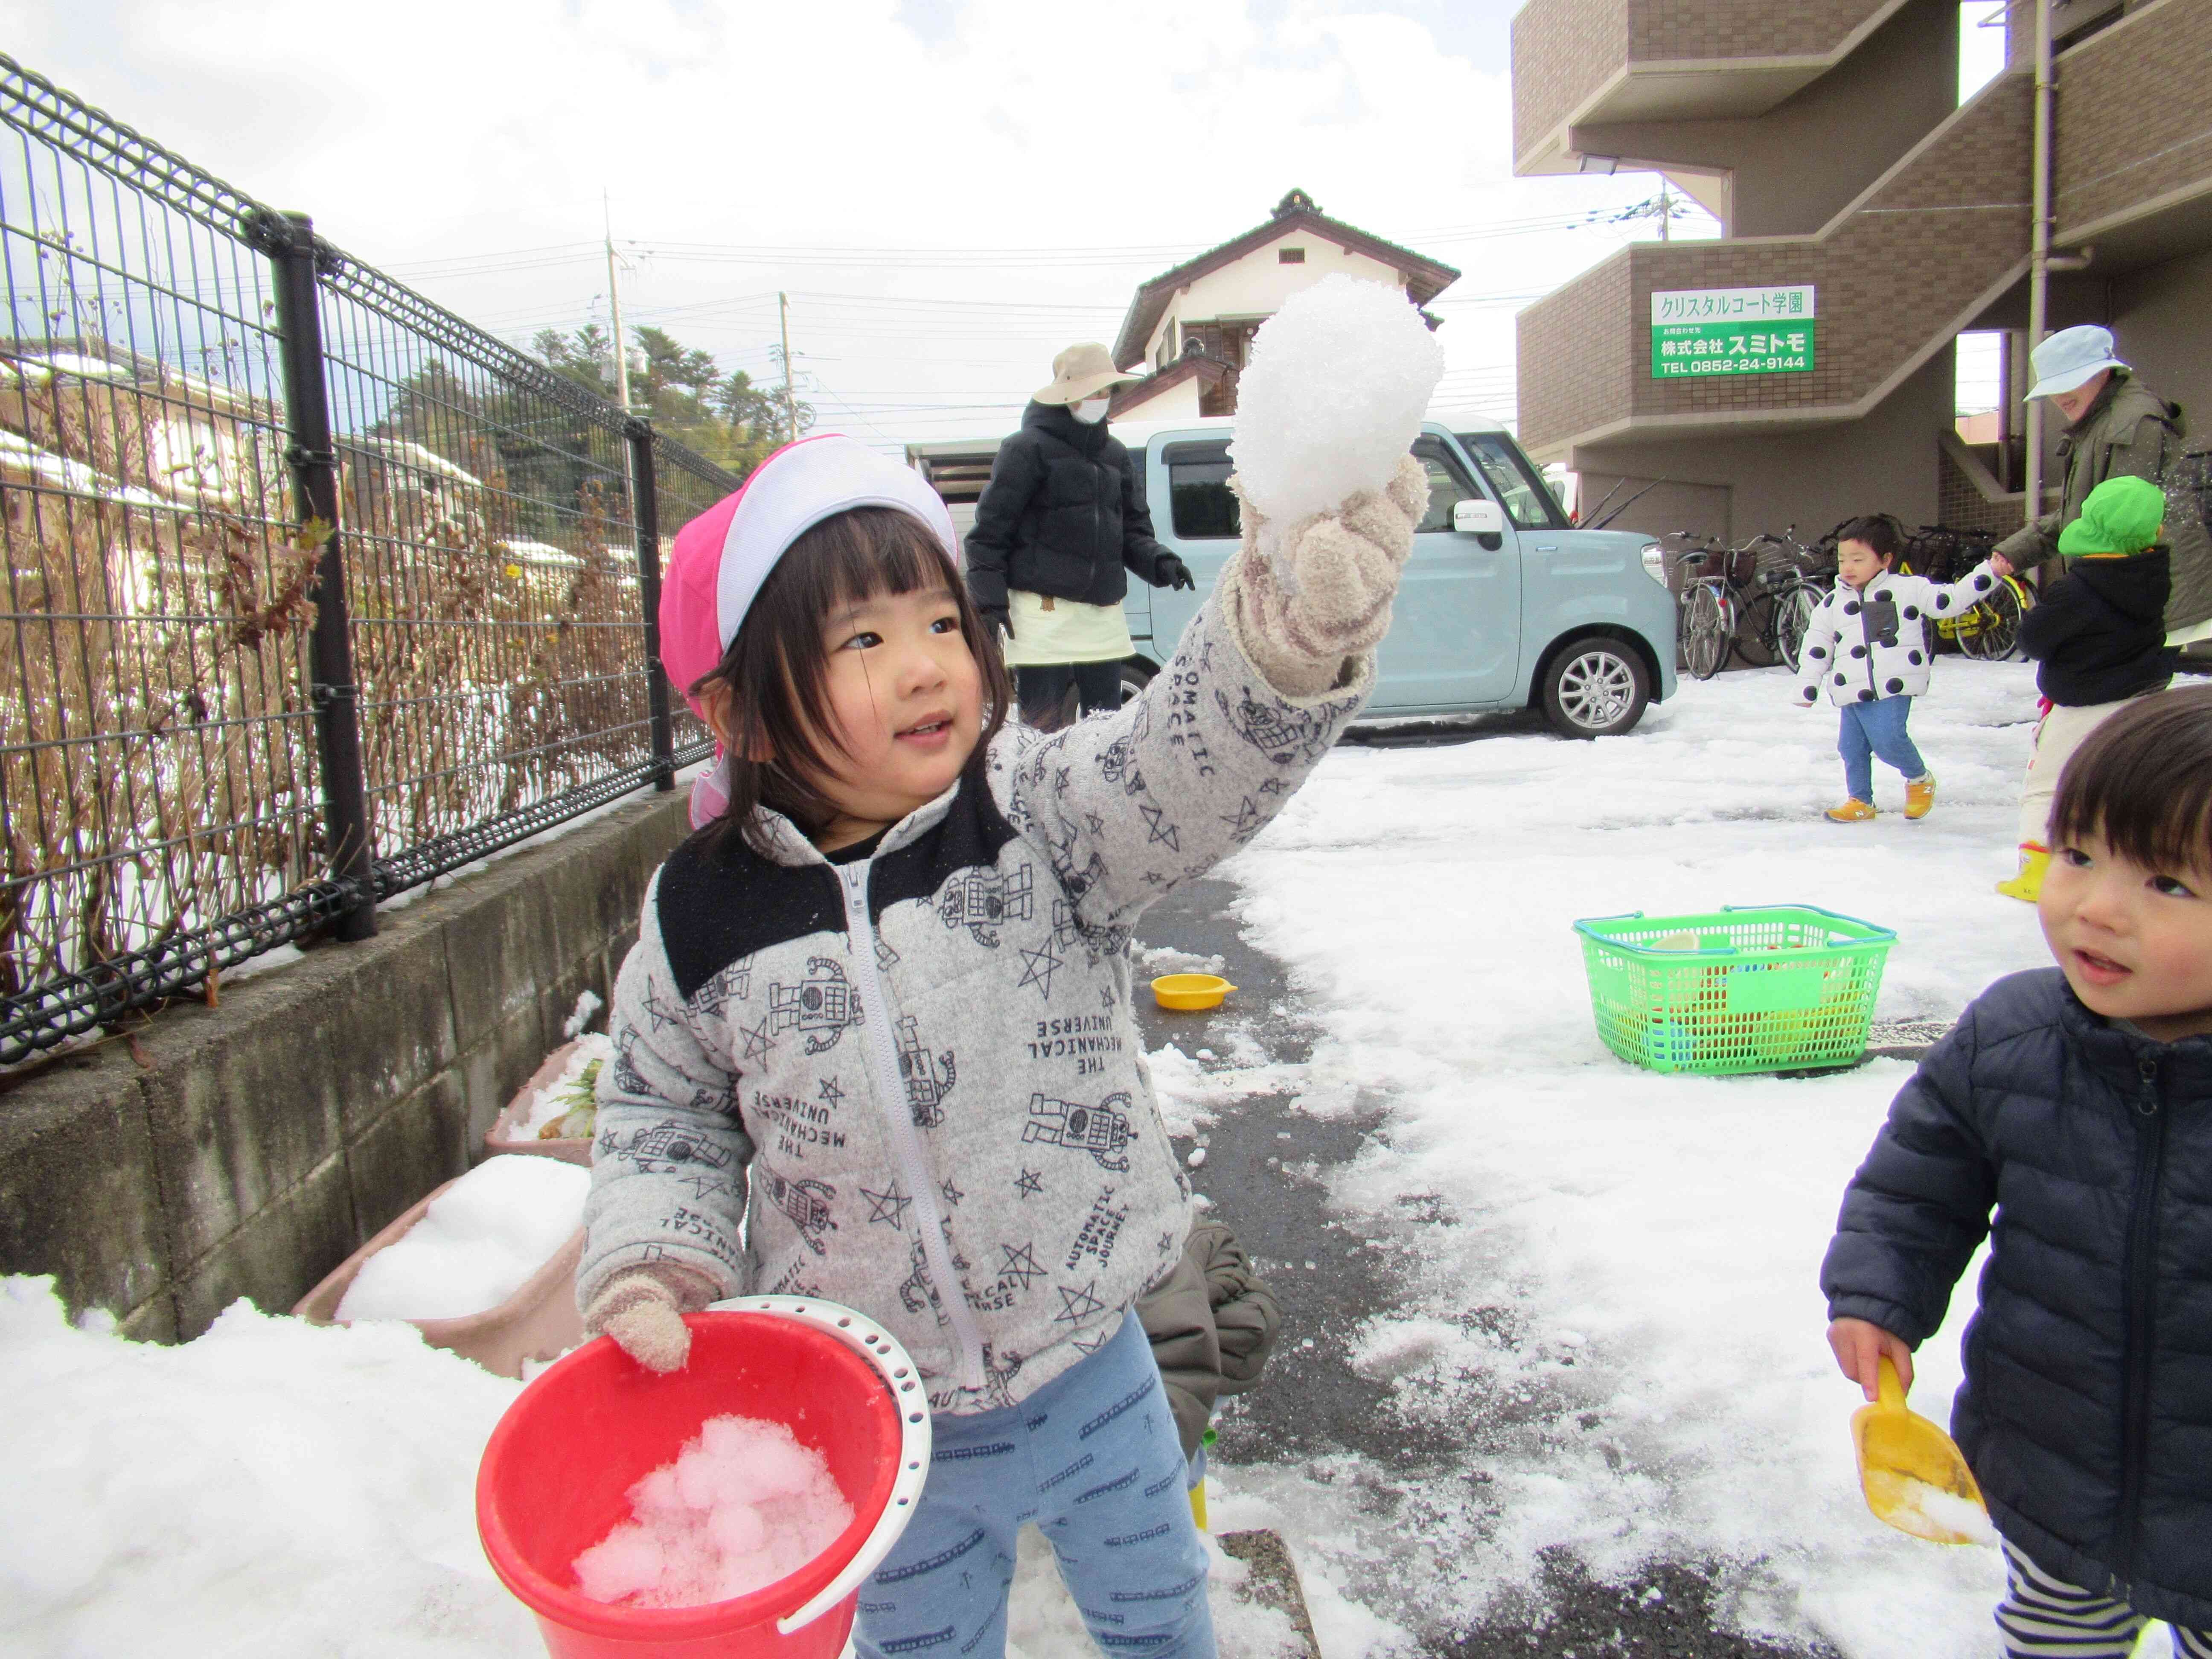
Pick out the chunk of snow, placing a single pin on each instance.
(478, 1243)
(743, 1505)
(588, 1004)
(1333, 398)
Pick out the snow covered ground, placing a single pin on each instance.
(1643, 1249)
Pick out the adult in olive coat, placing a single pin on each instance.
(1059, 527)
(2115, 427)
(2087, 1409)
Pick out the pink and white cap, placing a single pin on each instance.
(722, 556)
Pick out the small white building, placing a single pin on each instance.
(1192, 326)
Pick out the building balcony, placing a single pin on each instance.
(1601, 62)
(2133, 141)
(1918, 255)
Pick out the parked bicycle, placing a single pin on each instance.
(1990, 631)
(1761, 592)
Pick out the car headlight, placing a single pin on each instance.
(1654, 562)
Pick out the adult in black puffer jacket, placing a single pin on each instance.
(2087, 1410)
(1059, 527)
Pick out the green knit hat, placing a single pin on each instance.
(2120, 516)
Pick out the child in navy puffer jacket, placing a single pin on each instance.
(2068, 1119)
(1867, 646)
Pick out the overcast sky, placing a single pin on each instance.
(949, 190)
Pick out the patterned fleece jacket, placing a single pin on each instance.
(912, 1084)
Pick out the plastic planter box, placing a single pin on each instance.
(505, 1135)
(539, 1322)
(1772, 989)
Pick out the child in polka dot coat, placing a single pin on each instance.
(1867, 646)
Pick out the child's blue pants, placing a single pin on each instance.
(1092, 1458)
(1876, 728)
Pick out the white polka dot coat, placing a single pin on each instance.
(1873, 643)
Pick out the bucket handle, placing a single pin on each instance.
(891, 1362)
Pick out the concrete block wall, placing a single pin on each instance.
(248, 1150)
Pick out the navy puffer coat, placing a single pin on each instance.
(2087, 1410)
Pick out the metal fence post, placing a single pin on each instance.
(289, 242)
(645, 516)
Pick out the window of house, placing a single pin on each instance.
(1291, 256)
(1200, 504)
(1522, 493)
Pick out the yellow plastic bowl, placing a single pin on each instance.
(1190, 990)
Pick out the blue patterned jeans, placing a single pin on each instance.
(1092, 1459)
(1876, 728)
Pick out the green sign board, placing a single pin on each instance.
(1732, 330)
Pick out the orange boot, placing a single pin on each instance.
(1919, 795)
(1851, 811)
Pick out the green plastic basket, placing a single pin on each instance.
(1772, 989)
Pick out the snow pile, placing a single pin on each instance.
(1333, 398)
(573, 1094)
(1671, 1226)
(742, 1505)
(273, 1488)
(476, 1245)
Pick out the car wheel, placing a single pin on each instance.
(1135, 676)
(1596, 687)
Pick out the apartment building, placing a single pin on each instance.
(1802, 366)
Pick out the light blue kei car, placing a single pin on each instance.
(1503, 605)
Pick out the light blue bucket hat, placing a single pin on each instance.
(2070, 357)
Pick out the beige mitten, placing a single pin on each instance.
(1306, 634)
(642, 1309)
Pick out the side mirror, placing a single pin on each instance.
(1483, 520)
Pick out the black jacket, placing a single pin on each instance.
(1063, 514)
(2087, 1410)
(2099, 630)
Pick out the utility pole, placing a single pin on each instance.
(1665, 209)
(790, 403)
(614, 304)
(2039, 255)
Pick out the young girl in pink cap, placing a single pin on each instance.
(875, 1043)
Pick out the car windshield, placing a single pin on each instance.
(1528, 502)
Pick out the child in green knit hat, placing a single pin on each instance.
(2099, 635)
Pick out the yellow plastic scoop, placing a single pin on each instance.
(1912, 1475)
(1190, 990)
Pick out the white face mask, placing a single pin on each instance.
(1091, 410)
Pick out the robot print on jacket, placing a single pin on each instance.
(980, 900)
(1102, 1130)
(1284, 735)
(823, 1006)
(806, 1203)
(927, 1079)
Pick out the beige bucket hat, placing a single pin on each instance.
(1081, 371)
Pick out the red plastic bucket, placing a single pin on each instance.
(556, 1474)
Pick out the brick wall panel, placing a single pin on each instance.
(2134, 113)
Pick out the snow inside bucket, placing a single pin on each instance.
(557, 1473)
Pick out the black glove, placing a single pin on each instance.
(1168, 571)
(996, 616)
